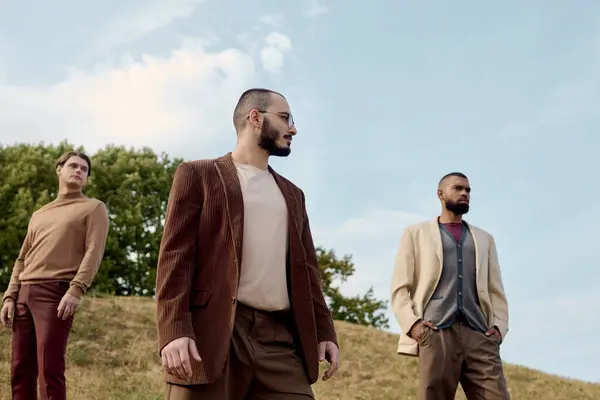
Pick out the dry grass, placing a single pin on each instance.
(112, 356)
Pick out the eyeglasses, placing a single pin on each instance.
(285, 115)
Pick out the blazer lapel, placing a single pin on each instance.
(475, 235)
(234, 201)
(436, 236)
(290, 201)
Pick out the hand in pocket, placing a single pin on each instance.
(418, 330)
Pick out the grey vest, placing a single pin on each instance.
(456, 293)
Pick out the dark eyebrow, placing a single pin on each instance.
(468, 188)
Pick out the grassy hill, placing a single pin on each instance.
(112, 355)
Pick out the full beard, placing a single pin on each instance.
(268, 141)
(457, 208)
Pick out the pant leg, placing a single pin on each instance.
(52, 334)
(24, 371)
(178, 392)
(440, 361)
(279, 369)
(235, 381)
(483, 375)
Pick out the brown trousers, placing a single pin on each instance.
(263, 364)
(460, 354)
(39, 342)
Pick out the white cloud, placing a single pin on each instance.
(147, 18)
(315, 9)
(273, 20)
(182, 101)
(376, 224)
(273, 53)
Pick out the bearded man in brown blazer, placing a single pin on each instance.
(240, 308)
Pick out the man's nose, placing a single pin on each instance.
(293, 130)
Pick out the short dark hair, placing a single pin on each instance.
(258, 98)
(459, 174)
(65, 157)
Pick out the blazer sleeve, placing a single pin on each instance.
(402, 283)
(324, 320)
(176, 259)
(496, 291)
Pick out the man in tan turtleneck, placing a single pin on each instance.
(59, 258)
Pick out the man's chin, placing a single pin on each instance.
(280, 151)
(75, 184)
(459, 209)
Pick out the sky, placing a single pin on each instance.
(387, 98)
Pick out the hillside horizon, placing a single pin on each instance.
(112, 354)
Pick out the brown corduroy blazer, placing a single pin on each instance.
(198, 267)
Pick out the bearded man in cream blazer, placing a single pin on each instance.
(448, 297)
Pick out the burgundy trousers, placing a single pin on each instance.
(39, 342)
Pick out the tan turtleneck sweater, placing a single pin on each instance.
(65, 241)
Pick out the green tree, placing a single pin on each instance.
(134, 184)
(361, 309)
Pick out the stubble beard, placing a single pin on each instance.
(268, 141)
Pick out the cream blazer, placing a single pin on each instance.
(418, 268)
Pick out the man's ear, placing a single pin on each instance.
(254, 118)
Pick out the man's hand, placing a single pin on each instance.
(418, 329)
(7, 313)
(176, 357)
(493, 331)
(67, 306)
(330, 352)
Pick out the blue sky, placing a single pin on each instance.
(387, 98)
